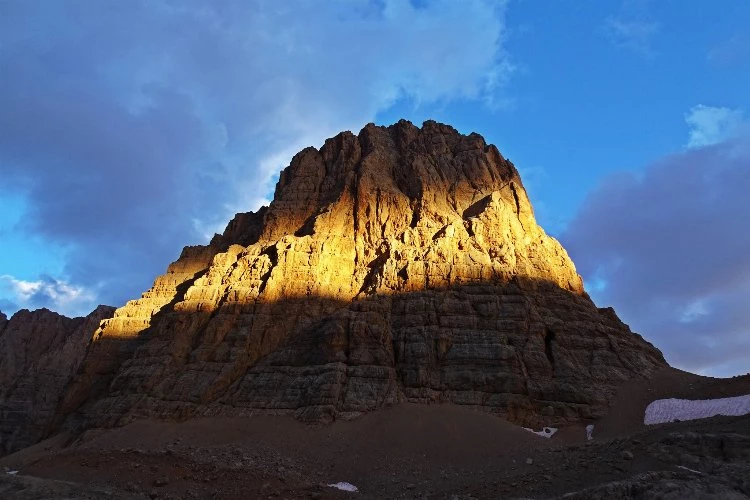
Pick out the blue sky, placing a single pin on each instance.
(128, 130)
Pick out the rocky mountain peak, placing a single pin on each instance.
(398, 264)
(434, 167)
(395, 203)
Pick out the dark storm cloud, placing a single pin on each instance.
(670, 250)
(134, 128)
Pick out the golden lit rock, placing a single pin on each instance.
(399, 264)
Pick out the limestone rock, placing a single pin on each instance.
(400, 264)
(40, 352)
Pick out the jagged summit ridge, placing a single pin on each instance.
(402, 263)
(391, 189)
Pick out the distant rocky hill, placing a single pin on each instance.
(399, 264)
(40, 351)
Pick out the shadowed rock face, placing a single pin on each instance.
(40, 352)
(397, 264)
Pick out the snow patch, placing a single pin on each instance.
(689, 470)
(546, 432)
(669, 410)
(12, 472)
(589, 432)
(343, 486)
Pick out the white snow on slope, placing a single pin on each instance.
(689, 469)
(546, 432)
(669, 410)
(344, 486)
(589, 432)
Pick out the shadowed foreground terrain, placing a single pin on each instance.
(406, 451)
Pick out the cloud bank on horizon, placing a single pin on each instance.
(669, 246)
(132, 129)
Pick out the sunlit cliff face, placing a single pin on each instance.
(402, 264)
(389, 211)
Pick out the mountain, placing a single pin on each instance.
(40, 351)
(395, 268)
(399, 264)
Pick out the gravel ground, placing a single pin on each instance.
(407, 451)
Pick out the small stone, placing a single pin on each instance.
(627, 455)
(529, 461)
(161, 481)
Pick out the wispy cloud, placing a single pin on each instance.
(634, 35)
(48, 292)
(733, 50)
(711, 125)
(632, 28)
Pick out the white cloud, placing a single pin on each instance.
(631, 34)
(710, 125)
(147, 124)
(694, 311)
(633, 27)
(48, 292)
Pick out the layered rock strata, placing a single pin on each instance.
(40, 351)
(400, 264)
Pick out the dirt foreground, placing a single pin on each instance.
(407, 451)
